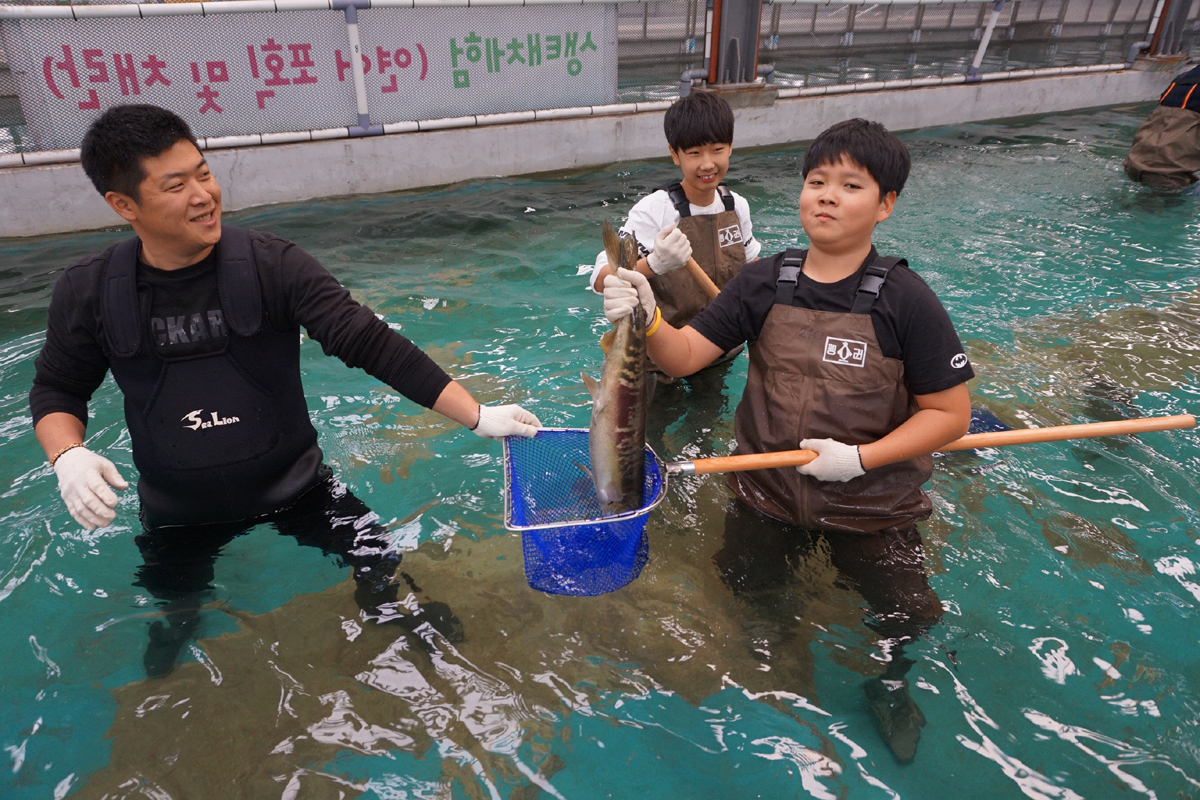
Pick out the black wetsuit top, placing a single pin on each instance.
(211, 378)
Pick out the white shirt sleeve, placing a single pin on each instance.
(752, 246)
(647, 217)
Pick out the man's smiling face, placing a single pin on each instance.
(179, 202)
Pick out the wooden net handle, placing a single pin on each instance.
(701, 277)
(972, 441)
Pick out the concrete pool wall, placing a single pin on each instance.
(57, 198)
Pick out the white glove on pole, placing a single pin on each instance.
(83, 481)
(496, 422)
(625, 291)
(835, 461)
(671, 250)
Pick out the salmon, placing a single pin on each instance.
(617, 433)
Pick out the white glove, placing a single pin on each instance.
(624, 291)
(671, 250)
(496, 422)
(835, 461)
(83, 481)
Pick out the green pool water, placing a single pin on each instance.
(1066, 665)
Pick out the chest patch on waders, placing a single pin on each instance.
(729, 236)
(845, 351)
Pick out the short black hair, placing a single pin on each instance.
(868, 144)
(699, 118)
(115, 144)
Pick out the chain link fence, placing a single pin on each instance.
(283, 71)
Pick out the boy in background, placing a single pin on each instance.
(699, 216)
(852, 356)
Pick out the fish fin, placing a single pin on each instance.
(612, 246)
(592, 387)
(606, 339)
(651, 385)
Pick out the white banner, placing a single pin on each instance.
(266, 72)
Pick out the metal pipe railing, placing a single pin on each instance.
(973, 72)
(45, 157)
(1138, 47)
(259, 6)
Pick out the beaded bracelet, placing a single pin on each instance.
(60, 453)
(654, 323)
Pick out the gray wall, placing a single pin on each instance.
(58, 198)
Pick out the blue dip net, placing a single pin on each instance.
(570, 547)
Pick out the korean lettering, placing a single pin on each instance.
(494, 53)
(94, 59)
(401, 59)
(274, 62)
(514, 49)
(302, 60)
(154, 65)
(462, 78)
(214, 72)
(532, 50)
(67, 65)
(126, 73)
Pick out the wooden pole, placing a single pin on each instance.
(701, 277)
(972, 441)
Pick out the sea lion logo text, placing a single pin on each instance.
(729, 236)
(845, 351)
(197, 423)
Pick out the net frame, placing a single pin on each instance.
(582, 557)
(644, 510)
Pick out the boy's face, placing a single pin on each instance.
(179, 203)
(840, 206)
(703, 167)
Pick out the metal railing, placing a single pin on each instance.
(811, 46)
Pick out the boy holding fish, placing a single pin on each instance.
(697, 217)
(854, 357)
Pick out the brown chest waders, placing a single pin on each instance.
(821, 375)
(718, 248)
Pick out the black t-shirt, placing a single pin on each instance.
(910, 322)
(185, 309)
(297, 292)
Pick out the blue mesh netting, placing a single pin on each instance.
(546, 486)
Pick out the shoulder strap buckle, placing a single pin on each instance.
(789, 275)
(726, 195)
(872, 283)
(679, 199)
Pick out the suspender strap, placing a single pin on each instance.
(789, 276)
(684, 206)
(726, 195)
(237, 282)
(872, 283)
(679, 199)
(119, 307)
(237, 287)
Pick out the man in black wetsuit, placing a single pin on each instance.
(200, 326)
